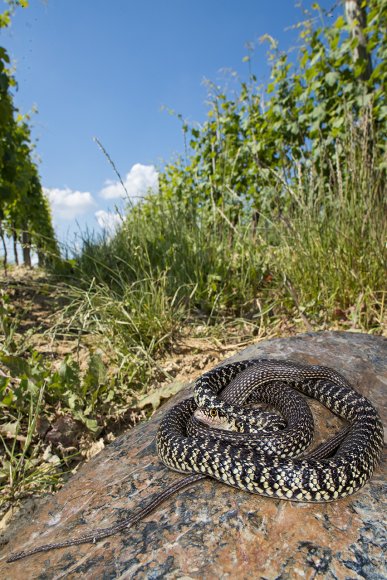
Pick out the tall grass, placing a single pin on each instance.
(139, 288)
(203, 260)
(332, 242)
(321, 253)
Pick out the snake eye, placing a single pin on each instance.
(213, 413)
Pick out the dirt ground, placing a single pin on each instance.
(36, 301)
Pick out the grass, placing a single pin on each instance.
(320, 258)
(26, 466)
(26, 469)
(323, 251)
(333, 244)
(172, 269)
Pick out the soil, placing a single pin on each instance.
(35, 302)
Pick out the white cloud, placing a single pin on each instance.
(108, 221)
(68, 204)
(139, 180)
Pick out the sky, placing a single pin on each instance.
(114, 70)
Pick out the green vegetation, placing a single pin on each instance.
(291, 192)
(24, 210)
(276, 212)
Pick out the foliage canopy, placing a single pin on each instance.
(24, 209)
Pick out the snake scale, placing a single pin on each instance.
(262, 460)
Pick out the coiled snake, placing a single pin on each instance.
(262, 462)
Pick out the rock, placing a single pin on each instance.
(211, 530)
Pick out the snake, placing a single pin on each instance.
(216, 434)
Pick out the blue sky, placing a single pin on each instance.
(105, 69)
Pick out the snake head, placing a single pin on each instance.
(217, 420)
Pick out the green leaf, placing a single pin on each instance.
(164, 392)
(96, 372)
(17, 365)
(4, 382)
(331, 78)
(340, 22)
(8, 399)
(337, 123)
(72, 401)
(91, 424)
(69, 374)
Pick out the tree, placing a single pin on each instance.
(24, 210)
(355, 11)
(299, 119)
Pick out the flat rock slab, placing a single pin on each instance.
(210, 530)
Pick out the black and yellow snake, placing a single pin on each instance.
(262, 462)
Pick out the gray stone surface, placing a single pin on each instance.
(210, 530)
